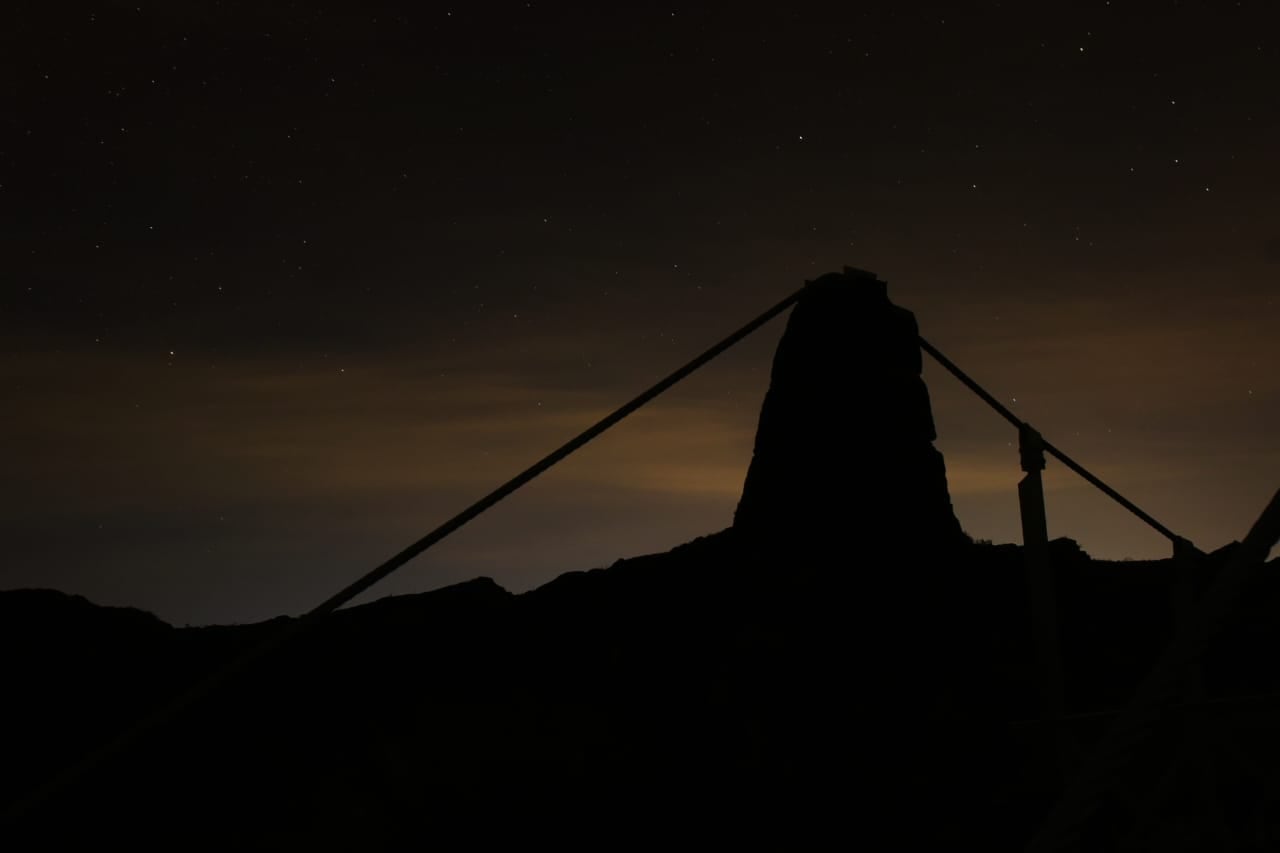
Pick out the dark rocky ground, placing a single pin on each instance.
(737, 688)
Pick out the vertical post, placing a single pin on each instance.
(1040, 582)
(1193, 744)
(1185, 559)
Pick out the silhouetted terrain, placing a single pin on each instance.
(843, 663)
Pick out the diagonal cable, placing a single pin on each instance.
(206, 686)
(1009, 416)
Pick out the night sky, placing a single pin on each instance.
(284, 285)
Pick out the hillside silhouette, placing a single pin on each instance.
(842, 663)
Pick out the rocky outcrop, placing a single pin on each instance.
(844, 446)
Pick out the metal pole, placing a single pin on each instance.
(1040, 583)
(1185, 560)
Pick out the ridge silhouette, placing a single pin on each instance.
(841, 662)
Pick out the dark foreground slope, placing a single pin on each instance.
(736, 688)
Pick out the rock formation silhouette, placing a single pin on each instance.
(844, 446)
